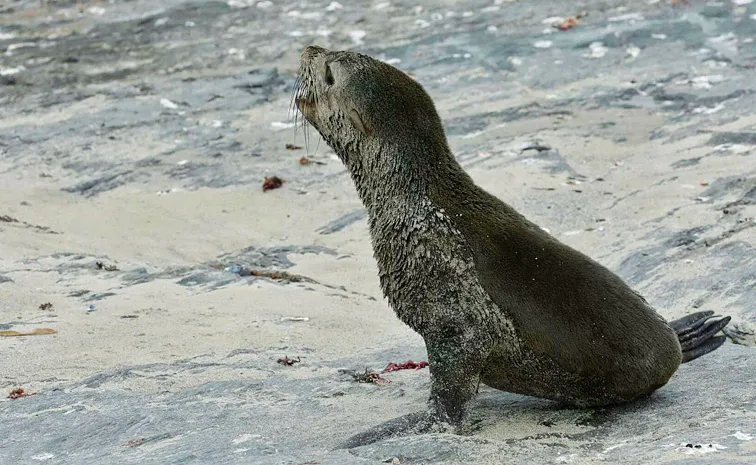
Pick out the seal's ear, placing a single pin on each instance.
(357, 122)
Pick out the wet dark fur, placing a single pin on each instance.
(495, 297)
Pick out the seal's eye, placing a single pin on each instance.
(328, 76)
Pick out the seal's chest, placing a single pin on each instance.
(427, 271)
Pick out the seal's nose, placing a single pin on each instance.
(311, 51)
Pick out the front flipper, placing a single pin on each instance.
(412, 423)
(456, 358)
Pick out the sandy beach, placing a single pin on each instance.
(138, 134)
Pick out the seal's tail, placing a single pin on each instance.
(696, 333)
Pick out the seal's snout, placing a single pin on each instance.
(305, 98)
(310, 52)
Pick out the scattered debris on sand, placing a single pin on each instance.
(133, 442)
(242, 270)
(408, 365)
(19, 392)
(34, 332)
(277, 275)
(306, 161)
(369, 376)
(10, 219)
(273, 182)
(295, 318)
(103, 266)
(288, 361)
(568, 23)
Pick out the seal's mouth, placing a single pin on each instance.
(305, 105)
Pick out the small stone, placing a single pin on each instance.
(596, 50)
(633, 51)
(168, 104)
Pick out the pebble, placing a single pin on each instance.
(552, 20)
(596, 50)
(234, 268)
(168, 104)
(543, 44)
(11, 71)
(627, 17)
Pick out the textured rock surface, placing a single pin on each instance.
(282, 415)
(138, 134)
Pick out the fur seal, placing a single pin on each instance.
(496, 298)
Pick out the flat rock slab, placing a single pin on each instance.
(706, 414)
(162, 284)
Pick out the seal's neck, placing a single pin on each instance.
(391, 178)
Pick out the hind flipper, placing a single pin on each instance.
(696, 333)
(708, 346)
(689, 322)
(701, 334)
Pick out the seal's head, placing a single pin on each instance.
(366, 109)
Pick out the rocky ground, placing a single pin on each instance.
(135, 136)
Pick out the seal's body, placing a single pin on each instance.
(495, 298)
